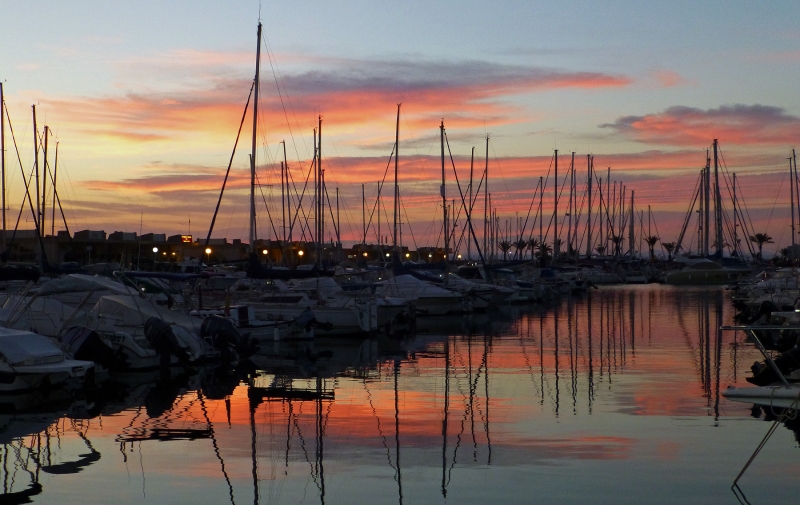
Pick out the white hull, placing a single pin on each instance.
(767, 396)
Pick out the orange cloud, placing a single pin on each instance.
(732, 124)
(354, 94)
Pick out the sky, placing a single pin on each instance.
(145, 98)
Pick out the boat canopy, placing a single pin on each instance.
(20, 348)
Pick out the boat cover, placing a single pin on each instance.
(26, 348)
(81, 282)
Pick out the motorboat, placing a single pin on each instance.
(704, 272)
(30, 361)
(429, 299)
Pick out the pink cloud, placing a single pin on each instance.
(732, 124)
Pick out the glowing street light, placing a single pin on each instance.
(155, 252)
(300, 253)
(208, 254)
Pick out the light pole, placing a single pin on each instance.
(155, 257)
(265, 253)
(208, 255)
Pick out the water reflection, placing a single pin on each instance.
(452, 412)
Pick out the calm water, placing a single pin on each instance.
(613, 398)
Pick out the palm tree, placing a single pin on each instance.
(669, 246)
(760, 239)
(617, 240)
(545, 250)
(505, 246)
(533, 244)
(651, 243)
(520, 246)
(557, 243)
(601, 249)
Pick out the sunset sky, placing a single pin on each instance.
(145, 99)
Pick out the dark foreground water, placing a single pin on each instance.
(613, 398)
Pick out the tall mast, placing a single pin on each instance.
(53, 206)
(44, 182)
(471, 165)
(589, 210)
(571, 206)
(631, 236)
(444, 203)
(794, 182)
(707, 206)
(288, 194)
(338, 223)
(363, 214)
(380, 241)
(3, 160)
(321, 199)
(486, 215)
(600, 207)
(791, 199)
(555, 211)
(396, 163)
(735, 220)
(36, 167)
(253, 147)
(608, 202)
(541, 222)
(315, 238)
(718, 200)
(283, 195)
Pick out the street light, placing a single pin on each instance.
(265, 252)
(155, 251)
(208, 254)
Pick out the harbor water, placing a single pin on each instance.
(611, 397)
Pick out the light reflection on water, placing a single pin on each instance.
(613, 398)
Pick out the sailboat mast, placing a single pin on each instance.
(380, 241)
(44, 182)
(794, 182)
(486, 201)
(555, 211)
(589, 210)
(315, 238)
(3, 160)
(321, 200)
(53, 210)
(288, 194)
(791, 199)
(571, 209)
(283, 199)
(631, 236)
(718, 200)
(541, 222)
(736, 220)
(253, 147)
(444, 202)
(396, 164)
(363, 214)
(706, 205)
(471, 165)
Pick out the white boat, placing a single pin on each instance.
(429, 299)
(29, 361)
(780, 397)
(334, 312)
